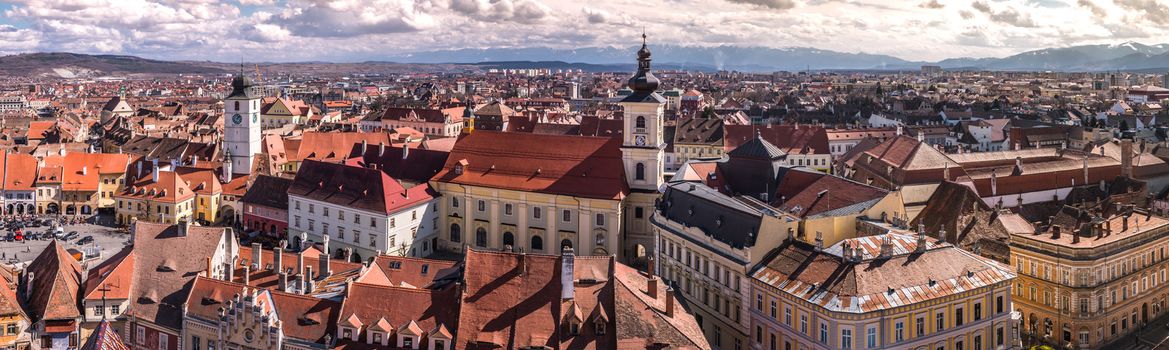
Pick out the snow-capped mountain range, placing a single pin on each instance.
(1104, 57)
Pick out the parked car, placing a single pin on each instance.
(85, 240)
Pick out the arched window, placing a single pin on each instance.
(640, 122)
(537, 243)
(640, 171)
(508, 239)
(481, 237)
(456, 233)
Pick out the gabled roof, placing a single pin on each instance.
(164, 265)
(356, 187)
(55, 285)
(579, 166)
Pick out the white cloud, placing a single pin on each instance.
(354, 30)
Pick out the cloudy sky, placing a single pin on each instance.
(355, 30)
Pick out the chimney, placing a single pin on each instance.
(381, 148)
(277, 259)
(819, 241)
(324, 257)
(84, 170)
(669, 302)
(308, 274)
(1075, 236)
(138, 174)
(282, 281)
(1123, 224)
(247, 275)
(257, 256)
(231, 270)
(154, 170)
(405, 150)
(567, 277)
(946, 172)
(184, 226)
(652, 286)
(921, 242)
(363, 146)
(308, 282)
(886, 246)
(1055, 231)
(1126, 157)
(300, 262)
(1108, 227)
(208, 270)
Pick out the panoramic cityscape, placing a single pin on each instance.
(528, 174)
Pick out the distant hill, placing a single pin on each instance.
(1127, 56)
(72, 65)
(685, 57)
(1123, 56)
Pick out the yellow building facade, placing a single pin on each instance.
(1086, 290)
(860, 294)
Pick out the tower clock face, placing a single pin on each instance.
(639, 140)
(237, 119)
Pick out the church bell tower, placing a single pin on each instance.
(241, 122)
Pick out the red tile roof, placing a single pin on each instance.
(356, 187)
(55, 284)
(579, 166)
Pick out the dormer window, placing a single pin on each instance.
(600, 327)
(346, 333)
(458, 169)
(574, 329)
(377, 338)
(408, 342)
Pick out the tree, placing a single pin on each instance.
(708, 113)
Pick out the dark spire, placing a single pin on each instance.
(644, 80)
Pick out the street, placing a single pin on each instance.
(107, 241)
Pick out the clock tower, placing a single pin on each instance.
(643, 153)
(643, 149)
(241, 122)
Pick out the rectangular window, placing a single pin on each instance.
(140, 335)
(163, 341)
(507, 209)
(773, 309)
(195, 343)
(958, 317)
(940, 319)
(536, 212)
(600, 219)
(871, 337)
(899, 331)
(846, 339)
(824, 333)
(977, 311)
(787, 315)
(482, 205)
(920, 324)
(566, 216)
(372, 222)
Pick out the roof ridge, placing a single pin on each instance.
(393, 287)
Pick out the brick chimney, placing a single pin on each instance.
(1055, 231)
(567, 277)
(1126, 157)
(669, 302)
